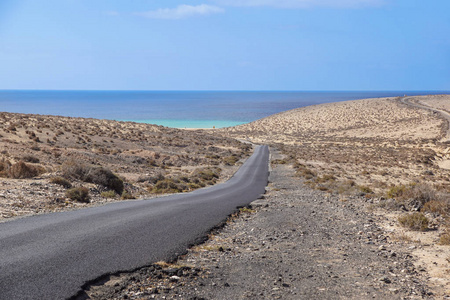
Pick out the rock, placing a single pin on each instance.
(395, 291)
(385, 280)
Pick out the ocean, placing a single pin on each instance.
(179, 109)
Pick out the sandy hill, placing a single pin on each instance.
(36, 150)
(383, 119)
(374, 143)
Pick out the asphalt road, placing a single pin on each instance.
(51, 256)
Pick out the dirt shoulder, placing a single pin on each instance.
(296, 243)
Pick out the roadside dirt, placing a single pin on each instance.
(296, 243)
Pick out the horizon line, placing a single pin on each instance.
(139, 90)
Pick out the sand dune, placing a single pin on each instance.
(369, 118)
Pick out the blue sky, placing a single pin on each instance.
(225, 44)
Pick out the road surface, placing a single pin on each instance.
(51, 256)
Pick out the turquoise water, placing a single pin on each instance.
(181, 109)
(189, 123)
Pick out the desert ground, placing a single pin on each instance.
(436, 101)
(357, 206)
(47, 161)
(395, 155)
(371, 143)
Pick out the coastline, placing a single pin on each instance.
(188, 124)
(176, 109)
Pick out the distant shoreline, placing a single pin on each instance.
(189, 124)
(176, 109)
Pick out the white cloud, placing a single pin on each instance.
(303, 3)
(181, 12)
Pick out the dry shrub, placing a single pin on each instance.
(80, 194)
(279, 162)
(444, 239)
(93, 174)
(231, 160)
(4, 168)
(22, 170)
(413, 195)
(441, 207)
(31, 159)
(421, 193)
(325, 178)
(166, 186)
(74, 170)
(206, 174)
(127, 195)
(306, 173)
(365, 189)
(396, 191)
(415, 221)
(108, 194)
(105, 177)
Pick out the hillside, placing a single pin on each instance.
(42, 156)
(373, 142)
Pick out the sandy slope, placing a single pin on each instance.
(369, 118)
(437, 101)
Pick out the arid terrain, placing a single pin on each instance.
(391, 153)
(438, 101)
(47, 161)
(373, 142)
(357, 207)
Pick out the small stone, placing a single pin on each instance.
(385, 280)
(174, 278)
(395, 291)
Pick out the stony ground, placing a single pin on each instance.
(296, 243)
